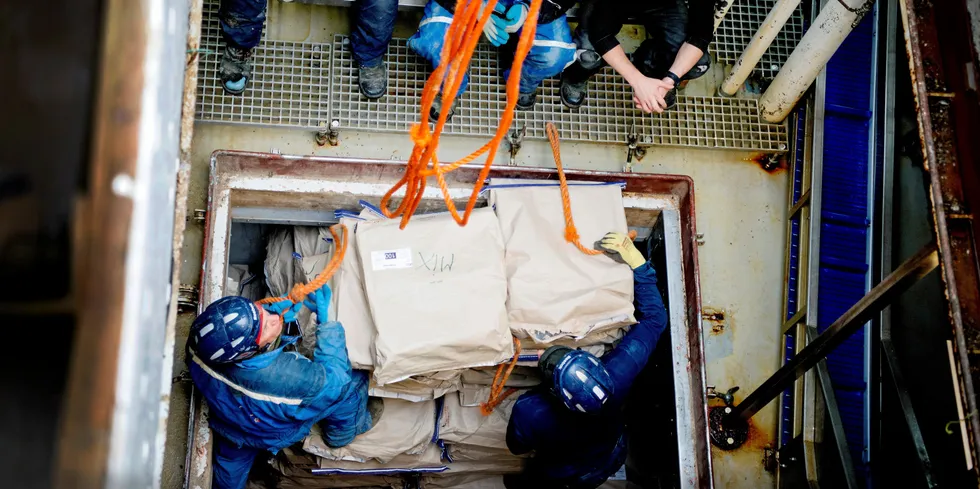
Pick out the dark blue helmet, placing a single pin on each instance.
(578, 378)
(227, 330)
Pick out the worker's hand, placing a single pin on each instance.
(622, 244)
(285, 308)
(319, 302)
(515, 17)
(648, 94)
(495, 28)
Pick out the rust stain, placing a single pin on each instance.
(771, 163)
(715, 319)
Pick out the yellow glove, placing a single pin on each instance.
(621, 243)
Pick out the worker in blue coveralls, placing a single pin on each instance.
(373, 22)
(551, 51)
(263, 397)
(676, 48)
(575, 422)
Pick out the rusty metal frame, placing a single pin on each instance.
(259, 180)
(947, 119)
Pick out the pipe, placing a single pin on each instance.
(780, 13)
(836, 20)
(721, 11)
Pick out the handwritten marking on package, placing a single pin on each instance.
(391, 259)
(437, 262)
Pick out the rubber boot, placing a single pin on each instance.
(235, 70)
(373, 80)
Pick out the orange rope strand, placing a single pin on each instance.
(300, 291)
(497, 392)
(571, 234)
(461, 38)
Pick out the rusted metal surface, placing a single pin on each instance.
(86, 422)
(285, 181)
(939, 53)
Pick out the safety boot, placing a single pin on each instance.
(437, 108)
(526, 101)
(573, 93)
(235, 70)
(373, 80)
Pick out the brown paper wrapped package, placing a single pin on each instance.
(554, 290)
(437, 293)
(404, 428)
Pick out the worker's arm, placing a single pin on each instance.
(626, 361)
(700, 32)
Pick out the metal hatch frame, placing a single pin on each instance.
(300, 188)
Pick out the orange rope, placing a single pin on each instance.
(461, 39)
(497, 392)
(300, 291)
(571, 234)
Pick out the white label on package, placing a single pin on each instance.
(391, 259)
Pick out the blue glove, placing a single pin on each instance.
(494, 28)
(319, 302)
(286, 309)
(515, 17)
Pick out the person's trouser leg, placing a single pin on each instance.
(427, 41)
(231, 464)
(241, 22)
(551, 52)
(587, 61)
(337, 429)
(666, 27)
(373, 24)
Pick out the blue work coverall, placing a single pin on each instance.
(373, 22)
(552, 50)
(271, 400)
(576, 450)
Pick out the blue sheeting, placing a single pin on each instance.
(845, 222)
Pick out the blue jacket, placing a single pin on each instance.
(578, 450)
(271, 400)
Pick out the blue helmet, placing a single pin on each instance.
(578, 378)
(227, 330)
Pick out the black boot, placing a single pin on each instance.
(437, 108)
(573, 93)
(373, 81)
(526, 101)
(235, 70)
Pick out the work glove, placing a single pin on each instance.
(285, 308)
(494, 29)
(623, 245)
(515, 17)
(319, 302)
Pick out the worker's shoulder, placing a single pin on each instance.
(289, 375)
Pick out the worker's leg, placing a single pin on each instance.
(575, 78)
(666, 27)
(373, 24)
(231, 464)
(551, 52)
(427, 43)
(241, 27)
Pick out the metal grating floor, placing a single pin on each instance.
(741, 23)
(301, 84)
(288, 86)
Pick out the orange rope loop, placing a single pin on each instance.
(300, 291)
(461, 38)
(571, 234)
(497, 392)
